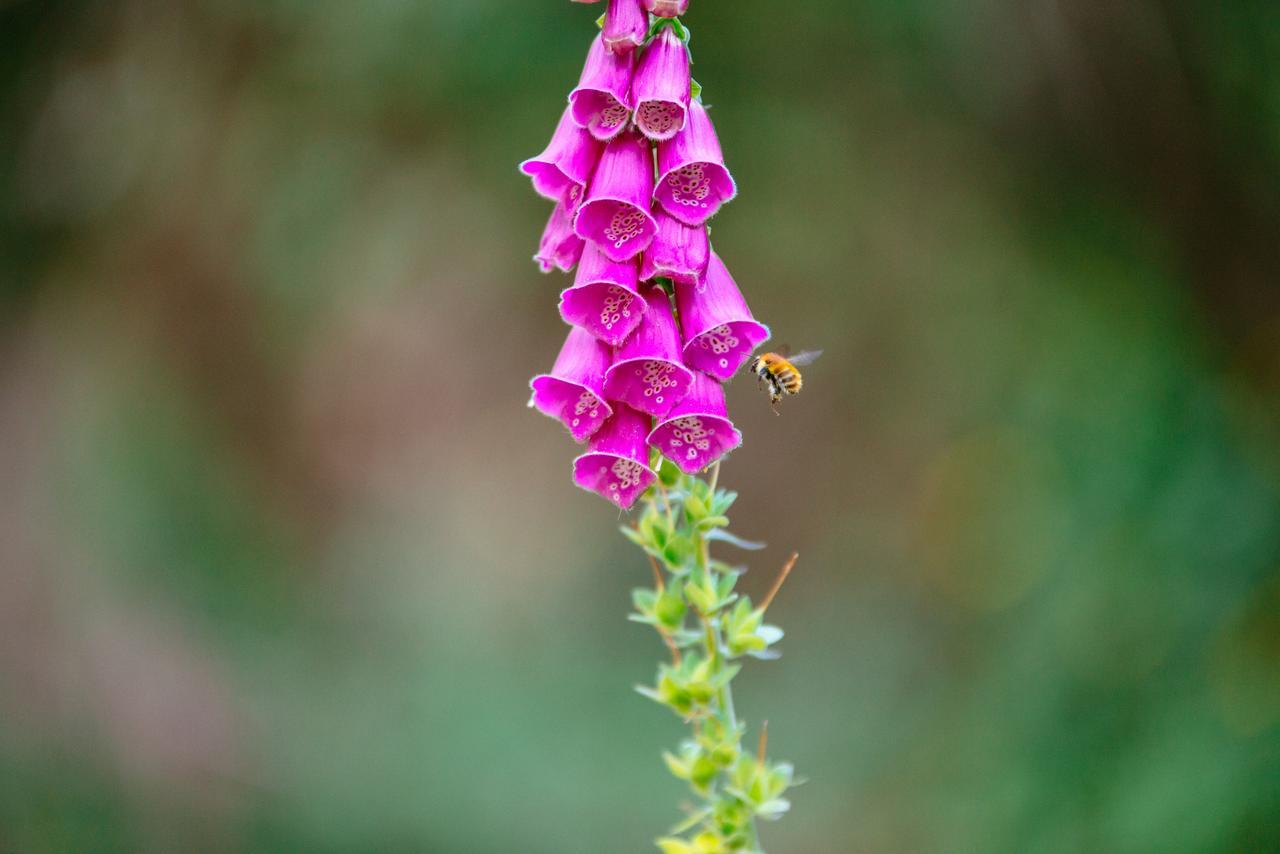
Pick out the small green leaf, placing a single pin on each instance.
(721, 535)
(670, 608)
(696, 509)
(695, 89)
(644, 599)
(774, 809)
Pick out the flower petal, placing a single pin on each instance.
(719, 332)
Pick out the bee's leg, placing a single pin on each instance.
(773, 402)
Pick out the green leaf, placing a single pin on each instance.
(678, 767)
(695, 89)
(722, 535)
(696, 508)
(644, 599)
(670, 608)
(722, 501)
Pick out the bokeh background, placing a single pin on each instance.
(288, 566)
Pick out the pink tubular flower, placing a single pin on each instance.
(605, 297)
(574, 390)
(694, 182)
(615, 465)
(566, 163)
(647, 373)
(625, 26)
(560, 246)
(698, 431)
(660, 89)
(719, 331)
(616, 213)
(665, 8)
(601, 102)
(678, 251)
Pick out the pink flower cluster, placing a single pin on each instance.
(636, 372)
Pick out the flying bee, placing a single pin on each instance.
(780, 372)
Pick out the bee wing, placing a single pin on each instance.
(805, 358)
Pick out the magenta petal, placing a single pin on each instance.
(567, 162)
(694, 182)
(616, 214)
(660, 89)
(560, 246)
(601, 102)
(719, 332)
(698, 431)
(574, 390)
(678, 251)
(605, 298)
(625, 26)
(666, 8)
(647, 372)
(615, 465)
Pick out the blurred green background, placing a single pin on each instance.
(287, 566)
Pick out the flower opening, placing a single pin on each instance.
(605, 297)
(698, 431)
(615, 214)
(694, 182)
(660, 89)
(615, 465)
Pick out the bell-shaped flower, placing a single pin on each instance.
(605, 297)
(615, 465)
(573, 392)
(647, 372)
(601, 102)
(678, 251)
(625, 25)
(666, 8)
(698, 431)
(719, 332)
(560, 245)
(693, 181)
(567, 162)
(616, 214)
(660, 89)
